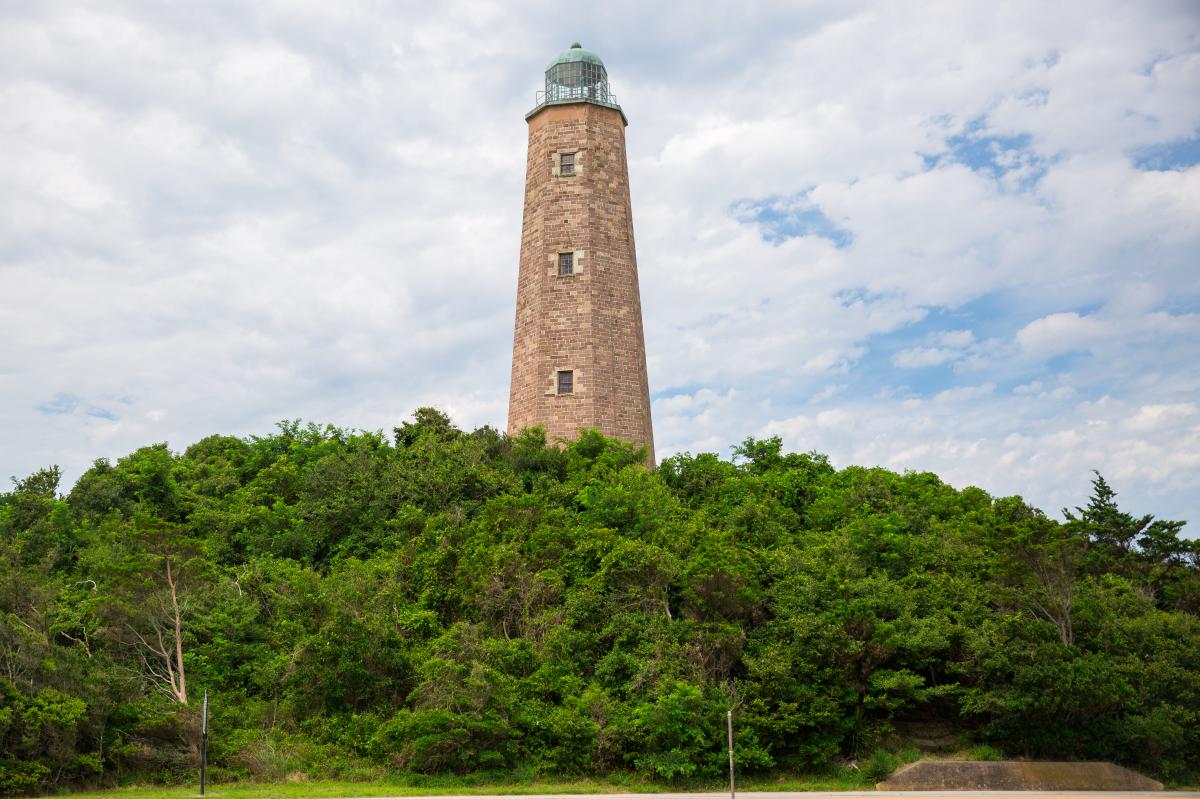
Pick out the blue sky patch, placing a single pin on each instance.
(877, 370)
(61, 404)
(782, 218)
(958, 334)
(993, 155)
(1168, 156)
(65, 404)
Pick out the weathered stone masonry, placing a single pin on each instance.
(589, 322)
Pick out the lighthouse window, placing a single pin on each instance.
(566, 382)
(566, 264)
(566, 164)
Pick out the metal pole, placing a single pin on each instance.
(204, 743)
(729, 725)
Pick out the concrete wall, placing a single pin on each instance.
(1016, 775)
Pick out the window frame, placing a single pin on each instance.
(566, 259)
(559, 382)
(566, 170)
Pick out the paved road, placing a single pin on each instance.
(863, 794)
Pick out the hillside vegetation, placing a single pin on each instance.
(441, 602)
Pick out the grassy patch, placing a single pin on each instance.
(983, 752)
(842, 779)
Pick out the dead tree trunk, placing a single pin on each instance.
(162, 654)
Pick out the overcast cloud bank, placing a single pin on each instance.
(953, 237)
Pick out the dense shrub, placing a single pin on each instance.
(449, 602)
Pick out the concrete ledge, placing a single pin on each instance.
(1015, 775)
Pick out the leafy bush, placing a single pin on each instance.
(879, 765)
(38, 738)
(680, 734)
(443, 602)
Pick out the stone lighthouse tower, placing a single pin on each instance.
(579, 357)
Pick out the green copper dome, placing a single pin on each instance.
(576, 53)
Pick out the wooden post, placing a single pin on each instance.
(204, 742)
(729, 725)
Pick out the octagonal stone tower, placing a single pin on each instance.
(579, 356)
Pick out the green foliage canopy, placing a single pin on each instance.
(441, 601)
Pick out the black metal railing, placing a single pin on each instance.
(572, 94)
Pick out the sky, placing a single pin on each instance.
(958, 237)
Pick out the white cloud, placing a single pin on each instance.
(964, 393)
(1027, 446)
(952, 345)
(1060, 332)
(1155, 417)
(1122, 325)
(924, 356)
(214, 217)
(959, 339)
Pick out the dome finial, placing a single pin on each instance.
(576, 46)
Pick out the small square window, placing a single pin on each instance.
(566, 264)
(566, 382)
(566, 164)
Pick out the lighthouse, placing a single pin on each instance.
(579, 354)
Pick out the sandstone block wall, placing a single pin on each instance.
(590, 322)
